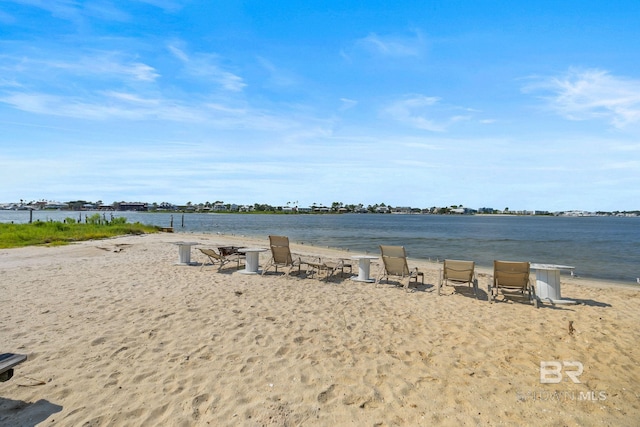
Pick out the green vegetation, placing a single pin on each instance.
(62, 233)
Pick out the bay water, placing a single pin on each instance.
(605, 248)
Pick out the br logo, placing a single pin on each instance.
(551, 371)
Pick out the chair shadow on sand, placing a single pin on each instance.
(591, 303)
(414, 287)
(544, 304)
(466, 291)
(578, 302)
(20, 413)
(423, 287)
(226, 269)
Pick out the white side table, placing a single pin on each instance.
(364, 267)
(548, 282)
(252, 262)
(184, 252)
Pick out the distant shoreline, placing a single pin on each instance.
(586, 243)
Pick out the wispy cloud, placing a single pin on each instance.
(75, 11)
(109, 105)
(102, 85)
(113, 64)
(393, 45)
(277, 76)
(4, 82)
(63, 9)
(204, 66)
(629, 165)
(6, 18)
(39, 66)
(591, 94)
(166, 5)
(347, 104)
(424, 112)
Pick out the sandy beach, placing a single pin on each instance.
(117, 334)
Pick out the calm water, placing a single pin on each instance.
(599, 247)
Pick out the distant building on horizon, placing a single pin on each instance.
(137, 206)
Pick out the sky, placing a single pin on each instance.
(530, 105)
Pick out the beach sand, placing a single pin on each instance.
(117, 334)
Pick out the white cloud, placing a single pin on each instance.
(277, 76)
(103, 65)
(166, 5)
(178, 53)
(7, 19)
(347, 103)
(9, 83)
(393, 45)
(132, 98)
(204, 66)
(424, 112)
(111, 65)
(632, 165)
(592, 94)
(76, 11)
(106, 12)
(109, 106)
(65, 9)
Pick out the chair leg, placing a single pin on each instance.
(205, 263)
(378, 278)
(267, 267)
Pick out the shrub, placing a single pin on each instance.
(94, 219)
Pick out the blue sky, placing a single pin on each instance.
(526, 105)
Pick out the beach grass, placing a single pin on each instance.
(54, 233)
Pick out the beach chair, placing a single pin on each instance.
(281, 255)
(329, 267)
(221, 258)
(460, 272)
(512, 276)
(345, 263)
(7, 362)
(229, 250)
(394, 259)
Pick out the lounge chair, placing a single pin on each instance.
(281, 255)
(317, 266)
(394, 260)
(458, 271)
(7, 362)
(344, 263)
(225, 256)
(512, 277)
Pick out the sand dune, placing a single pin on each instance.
(117, 334)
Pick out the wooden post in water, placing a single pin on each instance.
(171, 225)
(182, 220)
(30, 216)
